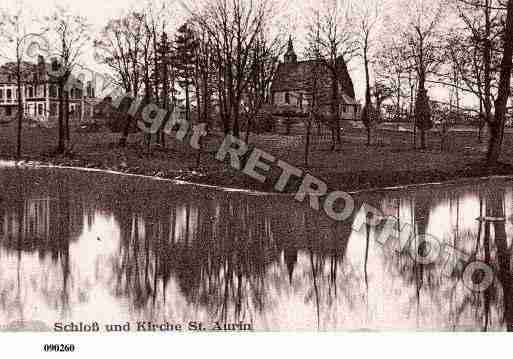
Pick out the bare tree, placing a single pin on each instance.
(497, 124)
(312, 95)
(234, 27)
(333, 42)
(484, 36)
(204, 74)
(264, 63)
(473, 46)
(421, 31)
(71, 33)
(368, 15)
(390, 69)
(14, 29)
(120, 46)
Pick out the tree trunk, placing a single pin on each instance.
(198, 155)
(235, 116)
(335, 125)
(204, 95)
(481, 122)
(398, 111)
(124, 134)
(187, 104)
(198, 103)
(123, 111)
(497, 125)
(307, 142)
(495, 143)
(422, 114)
(60, 146)
(66, 115)
(248, 128)
(368, 103)
(20, 110)
(412, 114)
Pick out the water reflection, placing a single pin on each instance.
(97, 247)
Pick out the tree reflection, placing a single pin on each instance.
(230, 257)
(495, 204)
(448, 292)
(40, 220)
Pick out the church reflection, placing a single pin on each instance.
(156, 254)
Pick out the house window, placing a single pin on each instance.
(1, 94)
(53, 109)
(8, 111)
(53, 91)
(9, 94)
(31, 92)
(40, 109)
(287, 98)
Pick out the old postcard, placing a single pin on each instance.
(220, 166)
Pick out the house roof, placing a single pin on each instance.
(8, 73)
(294, 77)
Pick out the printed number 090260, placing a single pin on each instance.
(59, 347)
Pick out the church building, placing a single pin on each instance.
(291, 90)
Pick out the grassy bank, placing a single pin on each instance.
(390, 161)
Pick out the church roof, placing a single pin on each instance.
(294, 77)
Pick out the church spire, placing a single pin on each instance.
(290, 56)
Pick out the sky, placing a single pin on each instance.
(292, 15)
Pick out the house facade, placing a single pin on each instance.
(293, 87)
(40, 94)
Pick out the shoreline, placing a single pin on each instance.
(224, 181)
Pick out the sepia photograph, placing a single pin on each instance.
(255, 166)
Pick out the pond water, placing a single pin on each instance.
(81, 247)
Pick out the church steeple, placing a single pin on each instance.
(290, 56)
